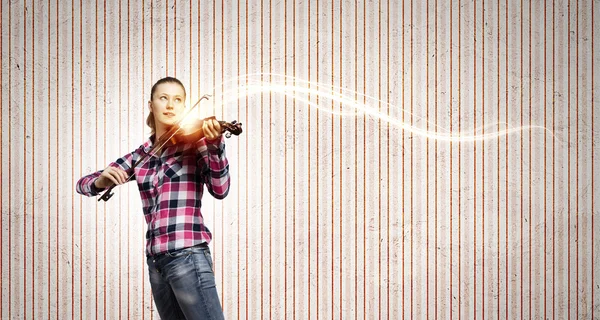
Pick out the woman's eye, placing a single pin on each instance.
(178, 100)
(163, 98)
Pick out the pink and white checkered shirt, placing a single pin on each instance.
(171, 186)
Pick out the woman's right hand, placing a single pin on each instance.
(111, 176)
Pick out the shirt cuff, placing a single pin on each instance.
(215, 146)
(95, 190)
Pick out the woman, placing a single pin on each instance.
(171, 187)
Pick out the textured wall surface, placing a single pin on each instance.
(329, 216)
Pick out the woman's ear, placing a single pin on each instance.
(150, 106)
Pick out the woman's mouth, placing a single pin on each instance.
(169, 114)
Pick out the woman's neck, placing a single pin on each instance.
(158, 134)
(160, 130)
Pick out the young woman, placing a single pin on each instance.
(171, 185)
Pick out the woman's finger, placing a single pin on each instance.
(107, 174)
(124, 175)
(116, 175)
(216, 127)
(208, 132)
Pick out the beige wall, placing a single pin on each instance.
(328, 216)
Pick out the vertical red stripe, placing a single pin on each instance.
(412, 300)
(174, 38)
(96, 144)
(498, 157)
(451, 184)
(262, 165)
(49, 168)
(317, 163)
(32, 160)
(2, 161)
(435, 272)
(388, 162)
(475, 161)
(530, 159)
(167, 37)
(459, 170)
(294, 165)
(57, 159)
(128, 140)
(379, 154)
(403, 164)
(120, 148)
(332, 163)
(247, 170)
(356, 159)
(9, 159)
(143, 51)
(222, 113)
(592, 150)
(545, 165)
(237, 153)
(270, 169)
(151, 300)
(498, 163)
(577, 158)
(506, 212)
(308, 278)
(72, 158)
(355, 249)
(427, 160)
(285, 196)
(364, 165)
(554, 162)
(482, 158)
(25, 163)
(104, 154)
(521, 156)
(80, 157)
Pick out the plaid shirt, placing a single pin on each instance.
(171, 188)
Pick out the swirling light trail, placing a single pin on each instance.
(303, 91)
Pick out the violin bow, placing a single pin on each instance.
(155, 149)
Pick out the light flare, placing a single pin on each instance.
(306, 92)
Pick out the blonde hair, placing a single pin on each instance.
(150, 118)
(150, 122)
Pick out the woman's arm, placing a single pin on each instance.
(116, 173)
(214, 166)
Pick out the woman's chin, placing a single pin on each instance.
(168, 122)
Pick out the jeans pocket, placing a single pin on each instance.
(208, 257)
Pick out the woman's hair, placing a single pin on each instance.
(150, 119)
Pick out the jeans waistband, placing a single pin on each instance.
(175, 253)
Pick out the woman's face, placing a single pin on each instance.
(167, 104)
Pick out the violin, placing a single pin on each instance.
(189, 132)
(192, 131)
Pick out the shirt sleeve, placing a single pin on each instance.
(85, 185)
(214, 167)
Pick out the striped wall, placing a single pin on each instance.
(328, 216)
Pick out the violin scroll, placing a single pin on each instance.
(230, 128)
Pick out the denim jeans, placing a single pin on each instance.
(183, 285)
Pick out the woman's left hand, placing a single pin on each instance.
(212, 129)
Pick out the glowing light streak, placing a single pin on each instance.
(301, 90)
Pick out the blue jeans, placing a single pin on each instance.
(183, 285)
